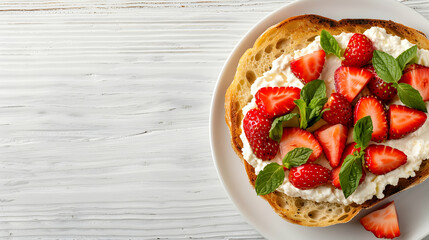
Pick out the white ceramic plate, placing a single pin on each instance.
(412, 204)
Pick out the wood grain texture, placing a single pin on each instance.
(104, 109)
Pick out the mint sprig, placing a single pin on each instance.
(329, 44)
(273, 175)
(276, 131)
(351, 169)
(390, 70)
(311, 102)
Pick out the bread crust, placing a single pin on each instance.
(292, 34)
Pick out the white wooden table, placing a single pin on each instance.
(104, 109)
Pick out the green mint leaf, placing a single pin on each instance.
(316, 102)
(269, 179)
(407, 56)
(302, 106)
(362, 132)
(386, 66)
(329, 44)
(313, 90)
(276, 131)
(350, 174)
(297, 157)
(411, 97)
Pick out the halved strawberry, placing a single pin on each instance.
(277, 101)
(308, 67)
(349, 81)
(257, 128)
(384, 91)
(333, 139)
(380, 159)
(335, 177)
(359, 51)
(418, 78)
(294, 138)
(348, 150)
(412, 67)
(308, 176)
(404, 120)
(383, 223)
(340, 110)
(371, 106)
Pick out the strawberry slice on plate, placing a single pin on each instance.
(333, 139)
(418, 78)
(277, 101)
(294, 138)
(308, 67)
(371, 106)
(335, 177)
(349, 81)
(257, 129)
(309, 176)
(383, 223)
(340, 110)
(404, 120)
(359, 51)
(380, 159)
(383, 90)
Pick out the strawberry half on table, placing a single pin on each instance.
(308, 67)
(383, 223)
(257, 127)
(277, 101)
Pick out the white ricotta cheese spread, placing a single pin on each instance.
(414, 145)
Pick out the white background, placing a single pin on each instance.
(104, 110)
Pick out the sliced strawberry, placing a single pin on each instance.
(335, 177)
(308, 67)
(371, 106)
(404, 120)
(359, 51)
(257, 128)
(384, 91)
(340, 110)
(277, 101)
(383, 223)
(294, 138)
(349, 81)
(380, 159)
(348, 150)
(412, 67)
(333, 139)
(418, 78)
(308, 176)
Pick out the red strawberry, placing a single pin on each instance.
(308, 67)
(277, 101)
(404, 120)
(335, 177)
(383, 222)
(358, 52)
(340, 110)
(412, 67)
(294, 138)
(349, 81)
(309, 175)
(349, 150)
(333, 139)
(418, 78)
(257, 128)
(384, 91)
(371, 106)
(380, 159)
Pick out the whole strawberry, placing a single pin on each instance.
(359, 51)
(340, 110)
(256, 127)
(384, 91)
(309, 176)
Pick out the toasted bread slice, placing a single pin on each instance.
(284, 38)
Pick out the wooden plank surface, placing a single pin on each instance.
(104, 109)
